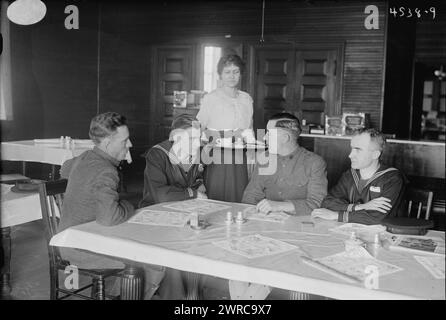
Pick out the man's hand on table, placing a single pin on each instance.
(324, 214)
(266, 206)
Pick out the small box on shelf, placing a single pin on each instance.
(334, 126)
(191, 100)
(317, 130)
(354, 121)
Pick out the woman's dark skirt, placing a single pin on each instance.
(226, 175)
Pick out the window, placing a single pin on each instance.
(210, 76)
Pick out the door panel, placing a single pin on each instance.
(173, 71)
(302, 81)
(315, 84)
(274, 81)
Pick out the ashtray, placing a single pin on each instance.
(202, 224)
(24, 186)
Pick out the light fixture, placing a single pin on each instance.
(440, 73)
(26, 12)
(262, 39)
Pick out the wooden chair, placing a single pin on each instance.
(51, 197)
(419, 203)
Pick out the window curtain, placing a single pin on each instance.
(5, 66)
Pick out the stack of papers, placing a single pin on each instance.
(198, 206)
(160, 218)
(416, 244)
(47, 141)
(275, 216)
(83, 141)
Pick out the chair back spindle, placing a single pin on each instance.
(51, 197)
(420, 201)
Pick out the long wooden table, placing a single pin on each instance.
(193, 251)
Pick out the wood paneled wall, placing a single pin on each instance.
(431, 37)
(139, 26)
(54, 75)
(285, 22)
(55, 70)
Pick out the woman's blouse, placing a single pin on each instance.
(220, 111)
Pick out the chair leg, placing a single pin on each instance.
(94, 288)
(297, 295)
(101, 289)
(54, 283)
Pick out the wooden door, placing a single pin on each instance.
(172, 71)
(274, 83)
(317, 92)
(303, 81)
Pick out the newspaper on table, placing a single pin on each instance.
(195, 205)
(416, 244)
(275, 216)
(160, 218)
(434, 264)
(358, 229)
(254, 246)
(356, 263)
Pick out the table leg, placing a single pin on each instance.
(5, 271)
(192, 281)
(131, 284)
(296, 295)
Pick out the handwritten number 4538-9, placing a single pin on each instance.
(408, 12)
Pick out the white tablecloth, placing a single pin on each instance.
(18, 208)
(193, 251)
(52, 153)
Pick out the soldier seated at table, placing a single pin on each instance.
(292, 179)
(287, 178)
(92, 194)
(369, 191)
(173, 170)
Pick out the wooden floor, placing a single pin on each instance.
(29, 262)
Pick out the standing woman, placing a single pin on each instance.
(227, 110)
